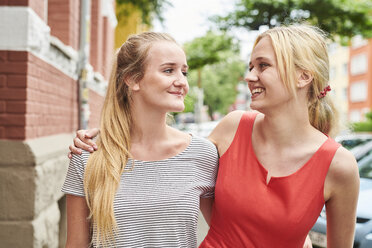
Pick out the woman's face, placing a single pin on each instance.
(263, 78)
(164, 85)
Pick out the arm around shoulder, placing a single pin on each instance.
(342, 185)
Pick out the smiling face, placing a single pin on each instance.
(263, 78)
(164, 84)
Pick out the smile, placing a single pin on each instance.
(178, 93)
(257, 91)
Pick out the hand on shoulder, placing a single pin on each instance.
(83, 140)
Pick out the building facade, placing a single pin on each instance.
(46, 90)
(360, 77)
(339, 79)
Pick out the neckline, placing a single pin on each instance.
(188, 147)
(267, 180)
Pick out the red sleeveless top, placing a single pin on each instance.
(250, 213)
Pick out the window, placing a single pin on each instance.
(358, 91)
(332, 73)
(345, 69)
(358, 64)
(358, 41)
(344, 94)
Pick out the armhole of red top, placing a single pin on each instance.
(246, 122)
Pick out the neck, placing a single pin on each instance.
(287, 125)
(149, 126)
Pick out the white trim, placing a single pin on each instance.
(107, 8)
(21, 29)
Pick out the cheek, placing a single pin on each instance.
(187, 87)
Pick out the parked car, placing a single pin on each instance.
(352, 140)
(363, 230)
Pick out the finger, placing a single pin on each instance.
(91, 133)
(83, 144)
(86, 137)
(74, 150)
(69, 155)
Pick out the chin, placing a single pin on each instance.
(177, 109)
(254, 106)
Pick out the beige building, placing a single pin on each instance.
(339, 79)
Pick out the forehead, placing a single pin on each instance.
(165, 51)
(263, 49)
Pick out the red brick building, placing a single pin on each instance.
(360, 78)
(40, 68)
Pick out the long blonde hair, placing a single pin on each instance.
(106, 165)
(301, 46)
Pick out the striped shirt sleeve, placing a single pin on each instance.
(74, 182)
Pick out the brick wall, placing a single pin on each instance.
(96, 36)
(64, 21)
(95, 106)
(107, 48)
(36, 99)
(37, 5)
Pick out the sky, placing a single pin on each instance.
(187, 20)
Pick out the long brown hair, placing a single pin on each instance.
(106, 165)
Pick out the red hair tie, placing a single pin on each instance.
(324, 92)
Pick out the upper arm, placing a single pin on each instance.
(78, 225)
(342, 184)
(223, 134)
(206, 205)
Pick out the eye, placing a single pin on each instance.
(250, 68)
(170, 70)
(263, 65)
(185, 73)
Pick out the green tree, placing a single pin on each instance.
(220, 82)
(215, 66)
(363, 126)
(148, 8)
(345, 18)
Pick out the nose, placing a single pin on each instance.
(181, 80)
(251, 76)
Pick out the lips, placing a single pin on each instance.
(257, 91)
(177, 93)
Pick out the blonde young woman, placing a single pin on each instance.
(278, 166)
(142, 187)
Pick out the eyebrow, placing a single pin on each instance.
(259, 59)
(174, 64)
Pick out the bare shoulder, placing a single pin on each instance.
(344, 165)
(343, 172)
(224, 132)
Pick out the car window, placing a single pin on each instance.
(365, 167)
(366, 171)
(351, 143)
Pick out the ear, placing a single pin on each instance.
(304, 78)
(132, 84)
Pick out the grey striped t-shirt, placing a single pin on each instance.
(157, 203)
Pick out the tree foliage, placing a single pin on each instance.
(209, 49)
(148, 8)
(220, 82)
(216, 57)
(364, 126)
(345, 18)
